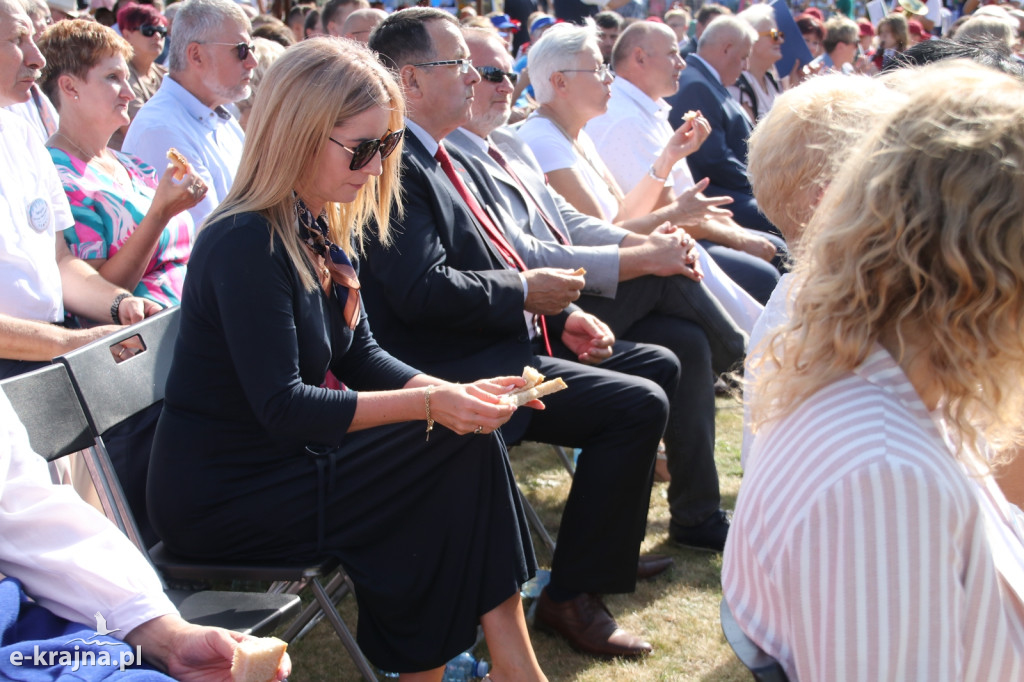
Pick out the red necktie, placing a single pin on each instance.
(503, 162)
(507, 251)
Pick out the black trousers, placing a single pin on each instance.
(616, 414)
(656, 310)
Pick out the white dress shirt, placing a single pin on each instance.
(33, 207)
(210, 139)
(67, 555)
(632, 133)
(861, 549)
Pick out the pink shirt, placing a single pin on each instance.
(860, 549)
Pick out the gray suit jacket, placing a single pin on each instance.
(594, 242)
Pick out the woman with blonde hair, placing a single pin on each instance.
(869, 540)
(254, 460)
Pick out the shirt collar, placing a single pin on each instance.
(477, 141)
(624, 88)
(192, 105)
(713, 70)
(425, 138)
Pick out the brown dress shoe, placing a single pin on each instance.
(588, 626)
(651, 565)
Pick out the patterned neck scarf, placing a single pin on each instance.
(313, 232)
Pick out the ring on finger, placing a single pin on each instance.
(478, 430)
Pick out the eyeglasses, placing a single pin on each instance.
(496, 75)
(148, 30)
(243, 49)
(464, 64)
(602, 71)
(364, 151)
(776, 35)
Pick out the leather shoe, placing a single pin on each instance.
(587, 625)
(709, 535)
(651, 565)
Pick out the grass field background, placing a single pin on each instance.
(677, 611)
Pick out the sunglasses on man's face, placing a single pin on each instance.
(242, 49)
(148, 30)
(364, 151)
(493, 74)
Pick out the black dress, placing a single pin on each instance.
(252, 462)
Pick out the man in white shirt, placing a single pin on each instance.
(634, 130)
(39, 278)
(83, 565)
(211, 63)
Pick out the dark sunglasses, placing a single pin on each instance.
(243, 49)
(364, 151)
(495, 75)
(148, 30)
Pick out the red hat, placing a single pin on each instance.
(916, 29)
(866, 29)
(816, 13)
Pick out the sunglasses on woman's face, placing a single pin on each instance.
(148, 30)
(495, 75)
(775, 34)
(364, 151)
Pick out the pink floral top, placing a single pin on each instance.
(106, 213)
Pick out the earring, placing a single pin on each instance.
(76, 98)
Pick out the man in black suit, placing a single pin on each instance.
(453, 297)
(721, 56)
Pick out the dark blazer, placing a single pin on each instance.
(440, 296)
(723, 156)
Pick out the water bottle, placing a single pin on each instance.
(464, 667)
(532, 587)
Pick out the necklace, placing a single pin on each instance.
(111, 166)
(600, 168)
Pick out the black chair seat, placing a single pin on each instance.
(178, 568)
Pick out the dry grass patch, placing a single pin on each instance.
(677, 612)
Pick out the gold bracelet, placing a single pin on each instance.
(426, 402)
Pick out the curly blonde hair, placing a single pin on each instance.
(919, 245)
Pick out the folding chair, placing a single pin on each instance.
(111, 390)
(47, 406)
(763, 667)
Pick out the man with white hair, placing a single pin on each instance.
(634, 130)
(721, 57)
(211, 63)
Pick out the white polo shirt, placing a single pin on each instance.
(33, 207)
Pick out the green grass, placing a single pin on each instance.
(677, 611)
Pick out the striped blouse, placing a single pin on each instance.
(861, 549)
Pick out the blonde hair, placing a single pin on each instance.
(800, 144)
(919, 244)
(315, 86)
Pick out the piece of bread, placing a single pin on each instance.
(534, 388)
(538, 391)
(257, 659)
(689, 116)
(580, 272)
(181, 165)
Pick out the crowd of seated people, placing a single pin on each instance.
(624, 236)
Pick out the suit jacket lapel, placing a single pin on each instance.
(728, 103)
